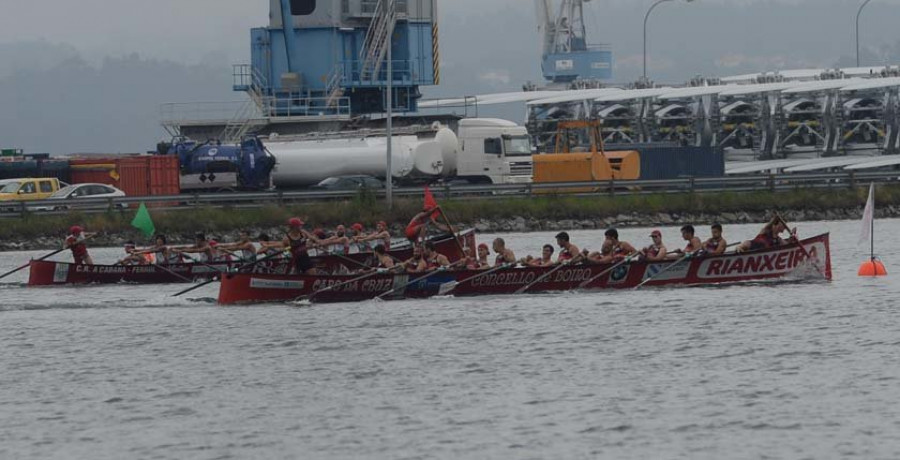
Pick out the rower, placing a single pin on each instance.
(613, 249)
(76, 242)
(545, 260)
(338, 244)
(716, 244)
(160, 252)
(246, 249)
(381, 234)
(382, 258)
(297, 240)
(568, 252)
(768, 237)
(657, 250)
(418, 226)
(132, 256)
(504, 254)
(358, 232)
(218, 255)
(693, 246)
(412, 264)
(267, 247)
(431, 259)
(201, 246)
(481, 261)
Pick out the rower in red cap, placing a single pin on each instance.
(76, 242)
(381, 235)
(297, 240)
(657, 250)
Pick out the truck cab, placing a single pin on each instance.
(494, 151)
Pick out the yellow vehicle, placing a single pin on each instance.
(14, 190)
(568, 164)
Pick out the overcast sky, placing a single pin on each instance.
(487, 46)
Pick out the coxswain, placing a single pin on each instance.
(418, 226)
(768, 237)
(568, 252)
(76, 243)
(716, 244)
(504, 254)
(298, 241)
(201, 246)
(694, 244)
(613, 249)
(381, 235)
(657, 250)
(132, 256)
(431, 259)
(382, 259)
(244, 247)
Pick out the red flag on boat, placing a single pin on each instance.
(431, 203)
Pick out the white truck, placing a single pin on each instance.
(482, 150)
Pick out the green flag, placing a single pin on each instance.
(143, 222)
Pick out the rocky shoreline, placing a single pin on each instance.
(516, 225)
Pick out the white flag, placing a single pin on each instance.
(868, 215)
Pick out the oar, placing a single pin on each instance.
(23, 267)
(627, 259)
(544, 276)
(186, 279)
(335, 286)
(340, 256)
(800, 245)
(673, 265)
(213, 280)
(446, 288)
(433, 272)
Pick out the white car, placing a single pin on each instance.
(70, 196)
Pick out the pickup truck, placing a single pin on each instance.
(17, 190)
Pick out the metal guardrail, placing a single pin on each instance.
(772, 183)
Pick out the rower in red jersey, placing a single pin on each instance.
(656, 251)
(380, 235)
(568, 252)
(76, 243)
(693, 243)
(716, 244)
(418, 226)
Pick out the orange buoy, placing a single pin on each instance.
(872, 267)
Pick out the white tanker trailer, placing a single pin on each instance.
(483, 151)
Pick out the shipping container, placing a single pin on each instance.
(135, 175)
(674, 162)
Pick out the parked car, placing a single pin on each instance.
(14, 191)
(70, 197)
(349, 183)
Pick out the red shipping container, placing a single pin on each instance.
(165, 177)
(137, 176)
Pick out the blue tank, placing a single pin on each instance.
(214, 166)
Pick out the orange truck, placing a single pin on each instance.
(574, 164)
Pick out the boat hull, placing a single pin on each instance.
(49, 273)
(810, 258)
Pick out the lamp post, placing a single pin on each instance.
(858, 13)
(389, 177)
(646, 18)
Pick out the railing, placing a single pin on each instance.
(771, 183)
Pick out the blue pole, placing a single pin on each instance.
(287, 25)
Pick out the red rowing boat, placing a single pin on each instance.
(49, 273)
(801, 260)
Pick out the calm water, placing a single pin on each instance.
(765, 371)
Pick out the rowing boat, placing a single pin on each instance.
(809, 258)
(49, 273)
